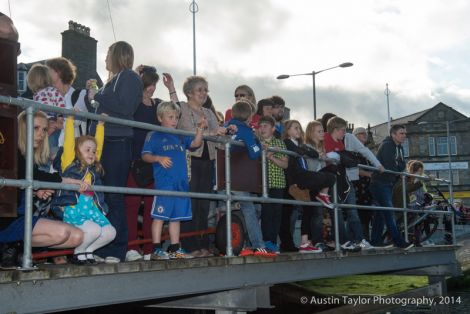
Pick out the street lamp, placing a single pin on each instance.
(313, 74)
(449, 158)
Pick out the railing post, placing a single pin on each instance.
(228, 193)
(264, 172)
(28, 215)
(336, 214)
(405, 214)
(452, 216)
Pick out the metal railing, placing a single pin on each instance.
(29, 184)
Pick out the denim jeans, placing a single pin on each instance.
(353, 223)
(116, 161)
(382, 195)
(271, 214)
(251, 221)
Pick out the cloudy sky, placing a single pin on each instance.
(420, 48)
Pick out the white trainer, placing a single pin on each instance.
(133, 255)
(365, 245)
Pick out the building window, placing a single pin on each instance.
(442, 146)
(422, 145)
(21, 82)
(431, 146)
(406, 148)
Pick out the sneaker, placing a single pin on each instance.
(272, 247)
(308, 248)
(325, 200)
(179, 254)
(264, 252)
(246, 252)
(365, 245)
(324, 247)
(98, 259)
(350, 246)
(133, 255)
(159, 254)
(111, 260)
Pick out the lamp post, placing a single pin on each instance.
(313, 74)
(449, 158)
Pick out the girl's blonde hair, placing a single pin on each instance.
(311, 126)
(287, 125)
(38, 77)
(122, 56)
(41, 153)
(79, 142)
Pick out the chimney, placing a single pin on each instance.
(80, 48)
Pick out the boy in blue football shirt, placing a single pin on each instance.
(167, 152)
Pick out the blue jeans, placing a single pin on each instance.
(353, 222)
(251, 221)
(116, 161)
(382, 195)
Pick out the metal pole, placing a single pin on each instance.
(336, 213)
(264, 173)
(451, 179)
(452, 216)
(314, 97)
(28, 217)
(193, 8)
(228, 192)
(387, 92)
(405, 214)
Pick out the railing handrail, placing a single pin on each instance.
(152, 127)
(29, 184)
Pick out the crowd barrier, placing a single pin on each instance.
(29, 184)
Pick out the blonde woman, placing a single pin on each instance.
(119, 98)
(46, 232)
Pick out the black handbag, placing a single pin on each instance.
(142, 172)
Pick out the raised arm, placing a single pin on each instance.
(68, 154)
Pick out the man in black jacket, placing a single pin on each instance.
(390, 155)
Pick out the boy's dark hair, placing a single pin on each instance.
(267, 120)
(149, 78)
(394, 129)
(264, 102)
(335, 123)
(278, 101)
(241, 110)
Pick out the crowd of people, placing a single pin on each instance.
(98, 226)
